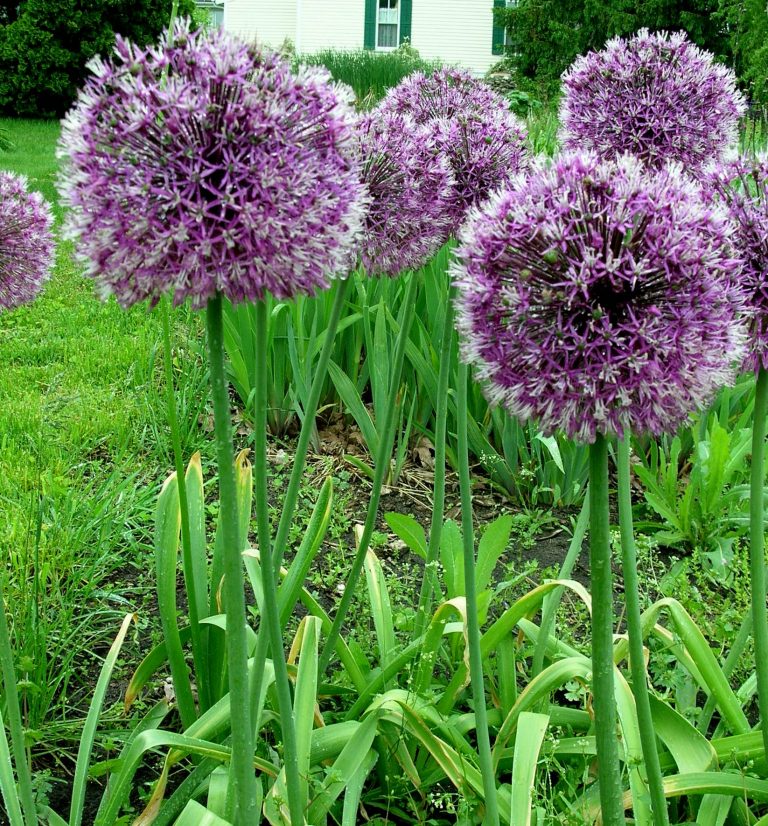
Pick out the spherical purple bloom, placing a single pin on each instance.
(483, 140)
(743, 186)
(204, 165)
(657, 96)
(411, 190)
(26, 242)
(599, 296)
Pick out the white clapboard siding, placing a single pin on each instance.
(270, 22)
(331, 24)
(455, 31)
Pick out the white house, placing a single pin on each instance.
(455, 31)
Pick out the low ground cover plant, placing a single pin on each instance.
(550, 316)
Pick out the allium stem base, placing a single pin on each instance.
(603, 702)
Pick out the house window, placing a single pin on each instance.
(387, 24)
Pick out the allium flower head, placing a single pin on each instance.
(483, 140)
(657, 96)
(743, 186)
(203, 165)
(26, 242)
(411, 190)
(598, 296)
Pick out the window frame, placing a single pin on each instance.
(399, 9)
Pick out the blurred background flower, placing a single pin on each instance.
(27, 248)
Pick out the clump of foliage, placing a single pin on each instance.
(545, 36)
(747, 24)
(45, 45)
(371, 74)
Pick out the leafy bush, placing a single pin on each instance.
(45, 45)
(544, 36)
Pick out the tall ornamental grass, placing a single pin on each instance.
(370, 74)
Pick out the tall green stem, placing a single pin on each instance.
(634, 627)
(243, 776)
(429, 582)
(603, 702)
(196, 602)
(271, 616)
(757, 549)
(23, 774)
(473, 626)
(383, 459)
(297, 473)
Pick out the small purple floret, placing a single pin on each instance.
(743, 186)
(204, 165)
(483, 140)
(411, 190)
(27, 247)
(596, 297)
(657, 96)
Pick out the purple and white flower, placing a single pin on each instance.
(27, 248)
(657, 96)
(743, 186)
(596, 297)
(484, 142)
(203, 165)
(411, 190)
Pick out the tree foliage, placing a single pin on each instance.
(546, 35)
(45, 45)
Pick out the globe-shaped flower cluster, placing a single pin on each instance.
(482, 139)
(597, 296)
(411, 189)
(656, 96)
(204, 165)
(26, 242)
(743, 186)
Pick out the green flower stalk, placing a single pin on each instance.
(757, 547)
(635, 631)
(381, 470)
(233, 585)
(491, 817)
(429, 583)
(603, 702)
(598, 298)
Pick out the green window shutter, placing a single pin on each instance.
(369, 33)
(497, 44)
(405, 20)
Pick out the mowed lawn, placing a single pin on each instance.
(82, 436)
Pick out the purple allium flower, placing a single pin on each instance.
(483, 140)
(657, 96)
(26, 242)
(743, 185)
(411, 191)
(203, 165)
(599, 296)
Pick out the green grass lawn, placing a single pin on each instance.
(83, 449)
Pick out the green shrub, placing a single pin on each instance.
(545, 36)
(45, 45)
